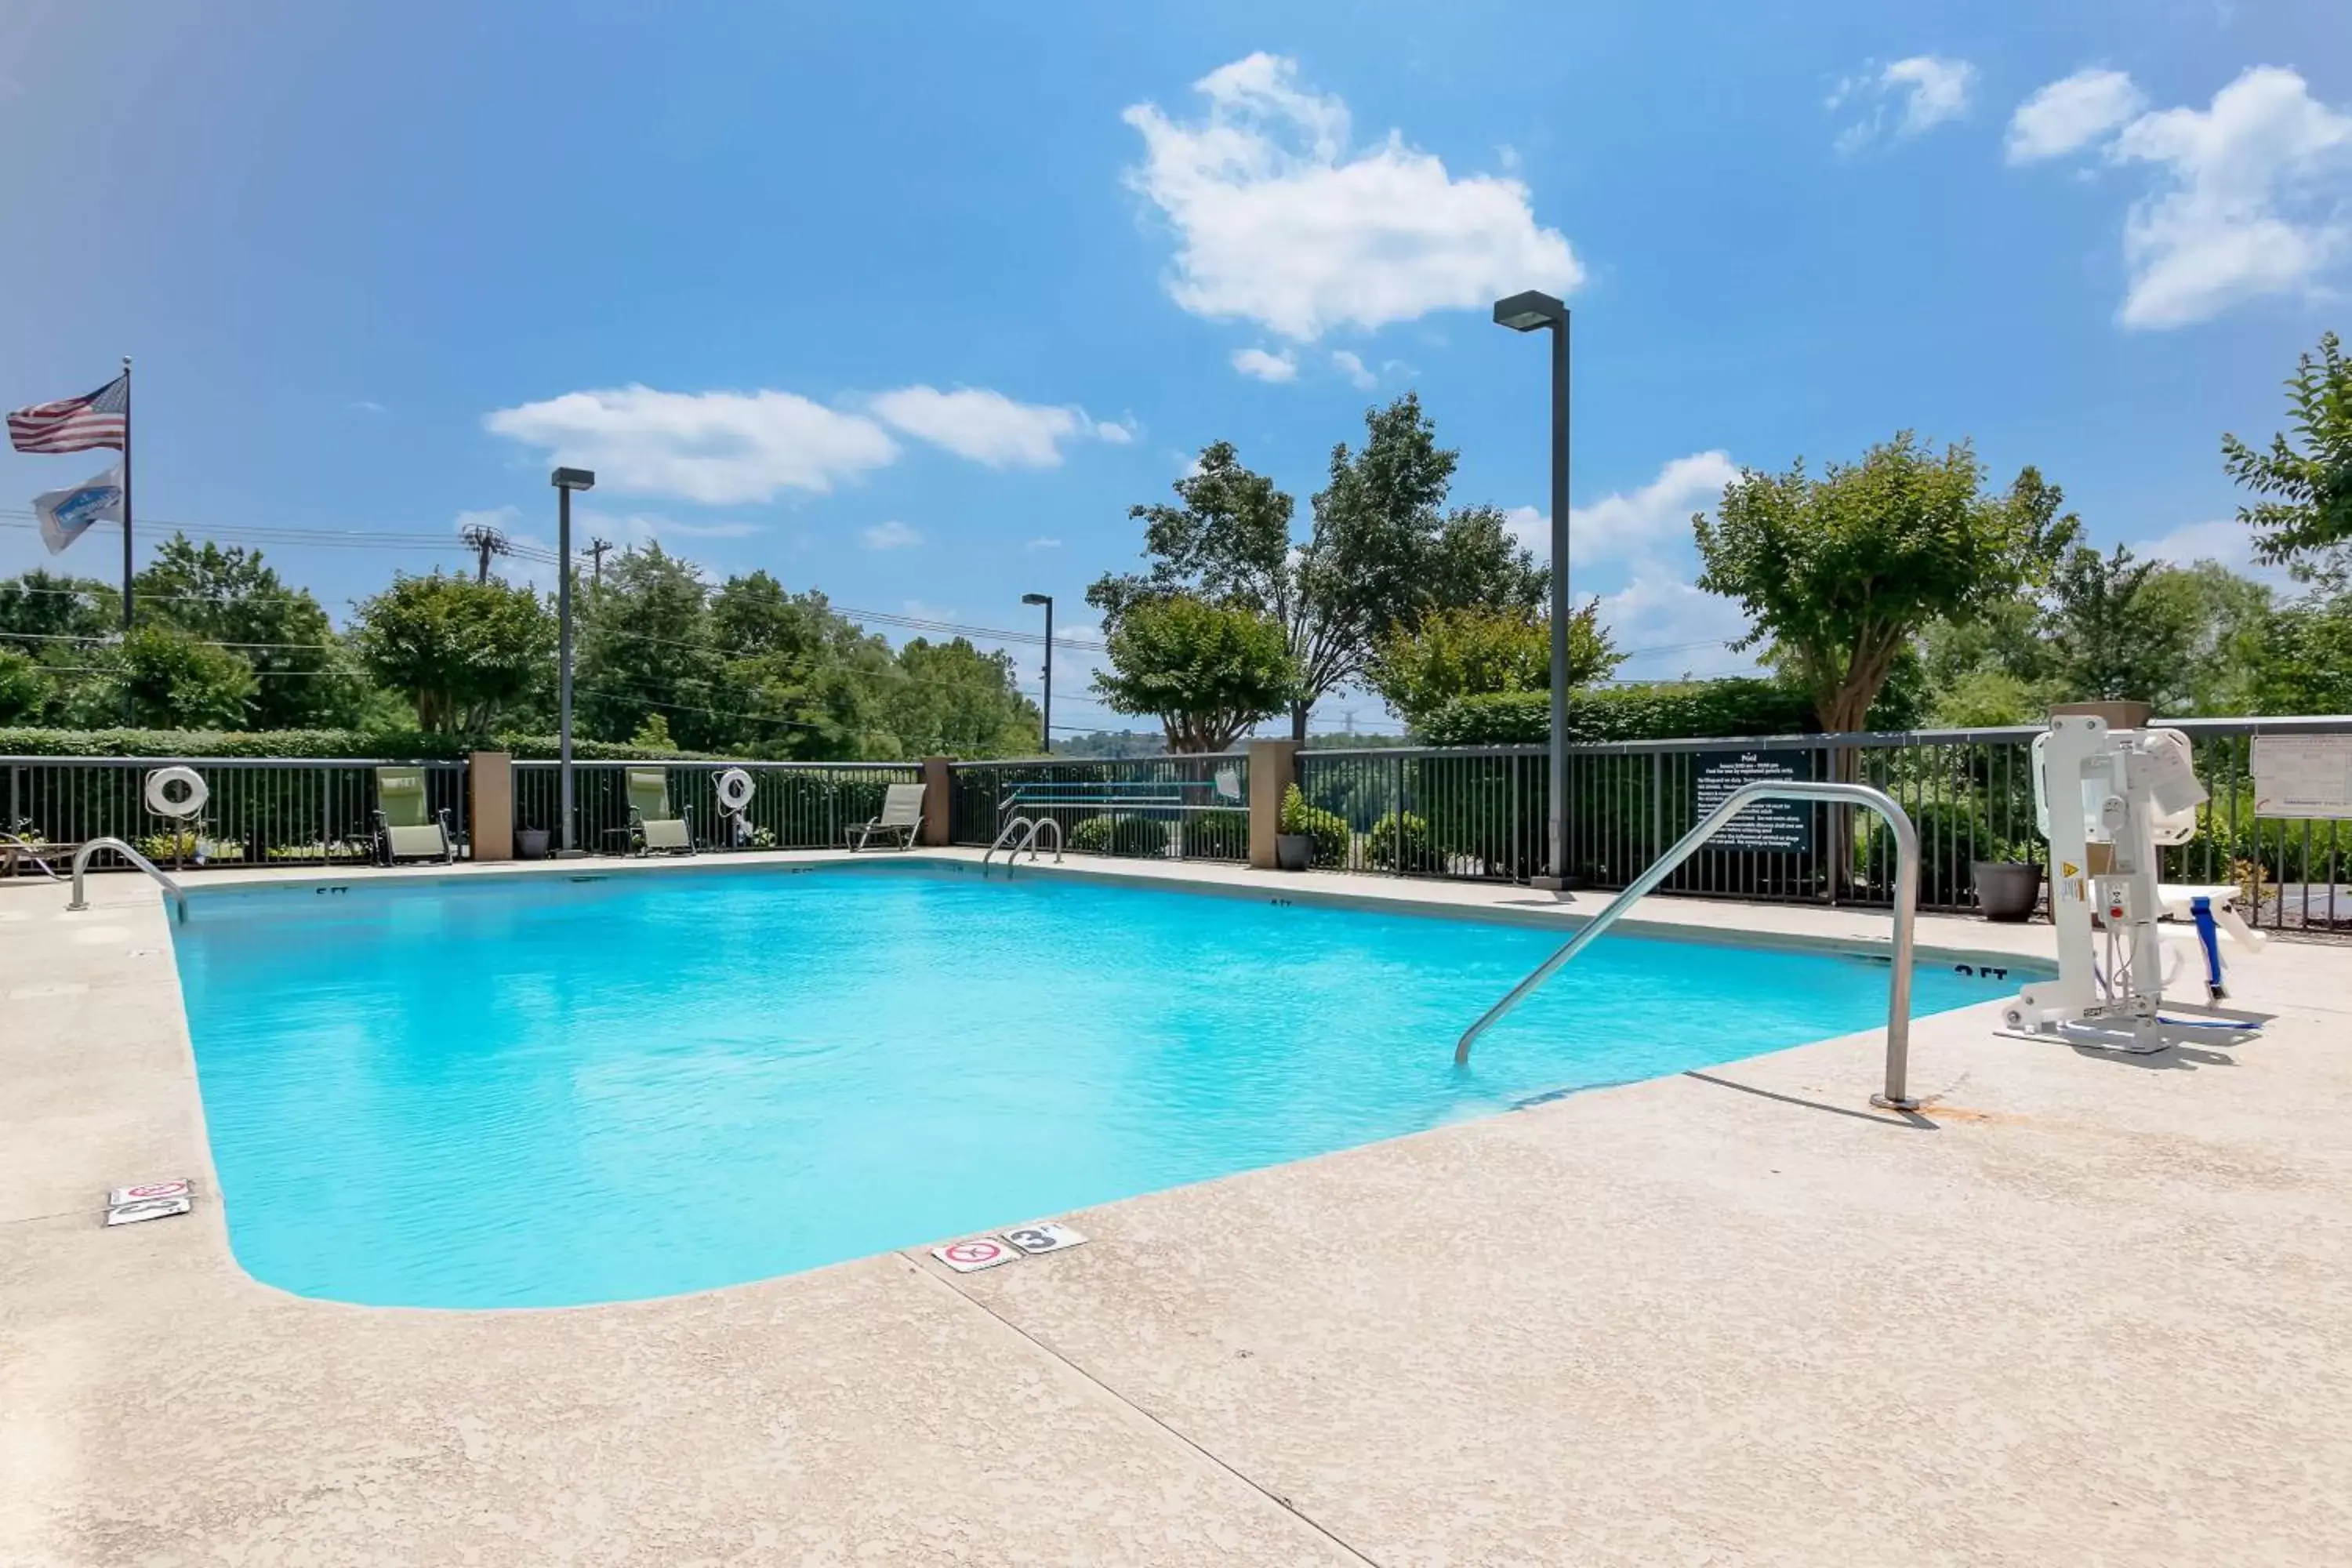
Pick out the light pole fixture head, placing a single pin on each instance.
(1036, 598)
(1525, 312)
(573, 479)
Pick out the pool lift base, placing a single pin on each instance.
(2108, 800)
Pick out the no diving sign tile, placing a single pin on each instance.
(975, 1253)
(148, 1200)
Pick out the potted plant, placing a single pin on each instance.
(1308, 835)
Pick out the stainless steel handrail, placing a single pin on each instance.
(1003, 836)
(1029, 842)
(1906, 897)
(81, 865)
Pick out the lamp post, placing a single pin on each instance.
(565, 481)
(1047, 706)
(1528, 312)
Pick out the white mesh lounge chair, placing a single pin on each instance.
(902, 813)
(649, 814)
(406, 828)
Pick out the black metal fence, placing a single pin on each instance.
(793, 805)
(259, 811)
(1187, 807)
(1481, 813)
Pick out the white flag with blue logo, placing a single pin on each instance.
(66, 514)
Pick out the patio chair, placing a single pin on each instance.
(902, 813)
(649, 812)
(405, 828)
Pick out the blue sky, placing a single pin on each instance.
(911, 305)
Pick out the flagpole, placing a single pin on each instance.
(126, 494)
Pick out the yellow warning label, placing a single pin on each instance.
(2068, 868)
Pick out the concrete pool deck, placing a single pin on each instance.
(2081, 1309)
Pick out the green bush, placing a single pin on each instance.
(1216, 835)
(1739, 706)
(1951, 835)
(406, 746)
(1328, 830)
(1381, 844)
(1138, 835)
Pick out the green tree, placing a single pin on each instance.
(1473, 653)
(464, 654)
(952, 700)
(2307, 520)
(2111, 639)
(1382, 552)
(24, 688)
(2305, 659)
(1841, 572)
(306, 680)
(161, 678)
(644, 648)
(39, 608)
(653, 734)
(798, 680)
(1207, 671)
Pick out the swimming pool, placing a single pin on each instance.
(547, 1091)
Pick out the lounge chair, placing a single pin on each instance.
(650, 815)
(902, 813)
(405, 828)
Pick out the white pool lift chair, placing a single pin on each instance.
(902, 813)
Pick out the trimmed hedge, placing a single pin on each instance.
(1138, 835)
(394, 745)
(1741, 705)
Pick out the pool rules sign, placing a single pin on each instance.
(1783, 825)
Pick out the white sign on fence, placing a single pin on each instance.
(2303, 775)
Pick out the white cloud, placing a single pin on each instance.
(1260, 365)
(1931, 90)
(992, 428)
(891, 535)
(2071, 114)
(1042, 544)
(1279, 222)
(2223, 538)
(716, 448)
(1670, 627)
(2250, 200)
(1627, 524)
(1115, 432)
(366, 405)
(1352, 367)
(640, 527)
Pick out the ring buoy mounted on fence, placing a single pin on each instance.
(163, 803)
(735, 789)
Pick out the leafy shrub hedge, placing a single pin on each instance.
(1380, 843)
(405, 746)
(1684, 710)
(1144, 835)
(1217, 835)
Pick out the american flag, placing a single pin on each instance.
(101, 418)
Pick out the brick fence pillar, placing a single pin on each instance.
(1273, 768)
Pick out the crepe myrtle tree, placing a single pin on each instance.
(1208, 672)
(462, 652)
(2305, 519)
(1840, 573)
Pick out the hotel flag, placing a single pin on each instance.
(65, 514)
(101, 418)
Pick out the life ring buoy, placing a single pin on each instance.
(161, 801)
(735, 789)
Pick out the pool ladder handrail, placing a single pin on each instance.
(1033, 826)
(1907, 898)
(81, 866)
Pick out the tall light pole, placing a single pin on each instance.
(1528, 312)
(565, 481)
(1047, 706)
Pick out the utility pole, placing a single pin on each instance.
(596, 548)
(484, 543)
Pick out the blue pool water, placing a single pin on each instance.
(544, 1092)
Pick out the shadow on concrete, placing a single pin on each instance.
(1911, 1120)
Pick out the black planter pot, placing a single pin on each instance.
(1294, 851)
(2009, 890)
(530, 843)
